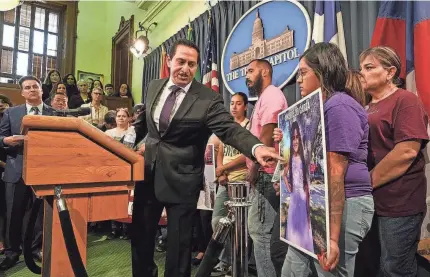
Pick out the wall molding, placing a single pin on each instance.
(152, 8)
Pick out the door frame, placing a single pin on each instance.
(126, 27)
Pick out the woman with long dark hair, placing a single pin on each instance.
(71, 85)
(59, 87)
(125, 92)
(52, 78)
(98, 84)
(349, 184)
(231, 167)
(299, 229)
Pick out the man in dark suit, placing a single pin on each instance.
(21, 195)
(181, 114)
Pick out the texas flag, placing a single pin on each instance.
(328, 24)
(405, 27)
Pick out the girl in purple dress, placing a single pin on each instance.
(299, 230)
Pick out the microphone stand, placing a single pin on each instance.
(235, 223)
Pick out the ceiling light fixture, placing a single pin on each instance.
(140, 45)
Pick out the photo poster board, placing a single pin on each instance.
(304, 215)
(82, 75)
(207, 195)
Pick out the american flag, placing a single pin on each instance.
(210, 68)
(405, 27)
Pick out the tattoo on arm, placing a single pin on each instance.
(337, 164)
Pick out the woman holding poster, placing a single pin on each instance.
(349, 186)
(295, 176)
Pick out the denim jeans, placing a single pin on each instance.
(278, 248)
(261, 217)
(356, 220)
(220, 211)
(399, 238)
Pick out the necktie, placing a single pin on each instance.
(35, 110)
(167, 109)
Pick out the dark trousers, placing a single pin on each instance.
(20, 210)
(2, 212)
(203, 227)
(399, 237)
(146, 214)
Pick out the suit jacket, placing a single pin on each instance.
(174, 161)
(11, 125)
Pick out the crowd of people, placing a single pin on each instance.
(374, 129)
(16, 198)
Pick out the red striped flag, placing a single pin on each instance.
(164, 69)
(405, 27)
(210, 67)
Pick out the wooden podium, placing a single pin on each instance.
(94, 171)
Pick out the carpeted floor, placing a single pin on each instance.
(106, 258)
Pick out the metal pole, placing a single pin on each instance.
(239, 203)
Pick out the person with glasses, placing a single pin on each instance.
(59, 101)
(98, 111)
(349, 185)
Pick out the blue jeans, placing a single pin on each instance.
(261, 217)
(356, 220)
(220, 211)
(399, 238)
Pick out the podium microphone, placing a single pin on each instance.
(73, 112)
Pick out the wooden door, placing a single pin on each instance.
(122, 58)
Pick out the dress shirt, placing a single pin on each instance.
(97, 116)
(40, 107)
(158, 106)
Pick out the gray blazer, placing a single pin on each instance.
(11, 125)
(174, 161)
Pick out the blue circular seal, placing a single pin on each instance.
(277, 31)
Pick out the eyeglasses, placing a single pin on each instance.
(302, 73)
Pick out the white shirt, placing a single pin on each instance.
(28, 106)
(180, 97)
(159, 104)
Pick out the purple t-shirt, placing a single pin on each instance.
(347, 131)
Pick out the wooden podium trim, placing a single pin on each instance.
(54, 123)
(46, 190)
